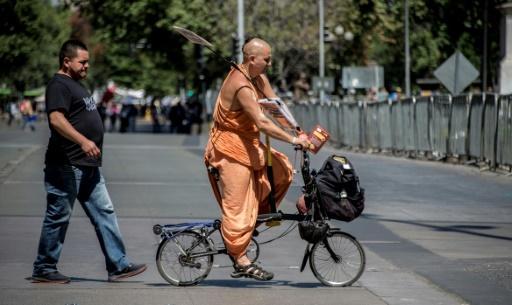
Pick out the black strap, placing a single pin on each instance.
(238, 90)
(249, 79)
(213, 177)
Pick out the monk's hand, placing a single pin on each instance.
(302, 141)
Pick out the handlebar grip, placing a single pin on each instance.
(268, 217)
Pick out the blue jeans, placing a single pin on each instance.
(64, 184)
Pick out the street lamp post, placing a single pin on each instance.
(321, 72)
(484, 55)
(241, 30)
(407, 51)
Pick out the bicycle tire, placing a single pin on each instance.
(178, 268)
(253, 250)
(342, 270)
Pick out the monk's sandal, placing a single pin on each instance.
(253, 271)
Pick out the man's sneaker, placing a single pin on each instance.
(50, 277)
(131, 270)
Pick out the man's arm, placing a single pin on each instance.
(249, 103)
(63, 127)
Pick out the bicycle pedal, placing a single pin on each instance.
(273, 223)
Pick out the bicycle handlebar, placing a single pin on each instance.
(270, 216)
(280, 216)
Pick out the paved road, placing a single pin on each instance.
(434, 233)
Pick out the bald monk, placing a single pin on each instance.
(235, 150)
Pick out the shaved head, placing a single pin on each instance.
(257, 56)
(255, 46)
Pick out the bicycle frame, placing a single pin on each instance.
(201, 233)
(311, 198)
(206, 229)
(310, 195)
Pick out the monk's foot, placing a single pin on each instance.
(252, 271)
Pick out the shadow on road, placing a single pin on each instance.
(246, 284)
(462, 228)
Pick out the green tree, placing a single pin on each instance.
(437, 29)
(134, 43)
(137, 46)
(30, 35)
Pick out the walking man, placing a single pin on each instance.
(72, 171)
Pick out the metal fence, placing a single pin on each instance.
(459, 119)
(468, 127)
(504, 134)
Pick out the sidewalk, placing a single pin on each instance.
(160, 179)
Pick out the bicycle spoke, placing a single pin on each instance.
(174, 261)
(342, 270)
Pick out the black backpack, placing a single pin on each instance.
(340, 195)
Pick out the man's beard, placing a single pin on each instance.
(79, 75)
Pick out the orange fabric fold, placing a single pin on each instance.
(234, 148)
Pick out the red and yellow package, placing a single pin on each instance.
(318, 137)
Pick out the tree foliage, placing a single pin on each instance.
(30, 33)
(137, 45)
(132, 42)
(437, 29)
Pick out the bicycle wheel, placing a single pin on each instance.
(179, 259)
(338, 260)
(253, 251)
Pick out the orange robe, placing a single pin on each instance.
(234, 148)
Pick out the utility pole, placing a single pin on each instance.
(407, 51)
(241, 32)
(484, 55)
(321, 72)
(201, 63)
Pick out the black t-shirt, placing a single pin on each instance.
(72, 98)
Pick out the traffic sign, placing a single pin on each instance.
(326, 83)
(456, 73)
(362, 77)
